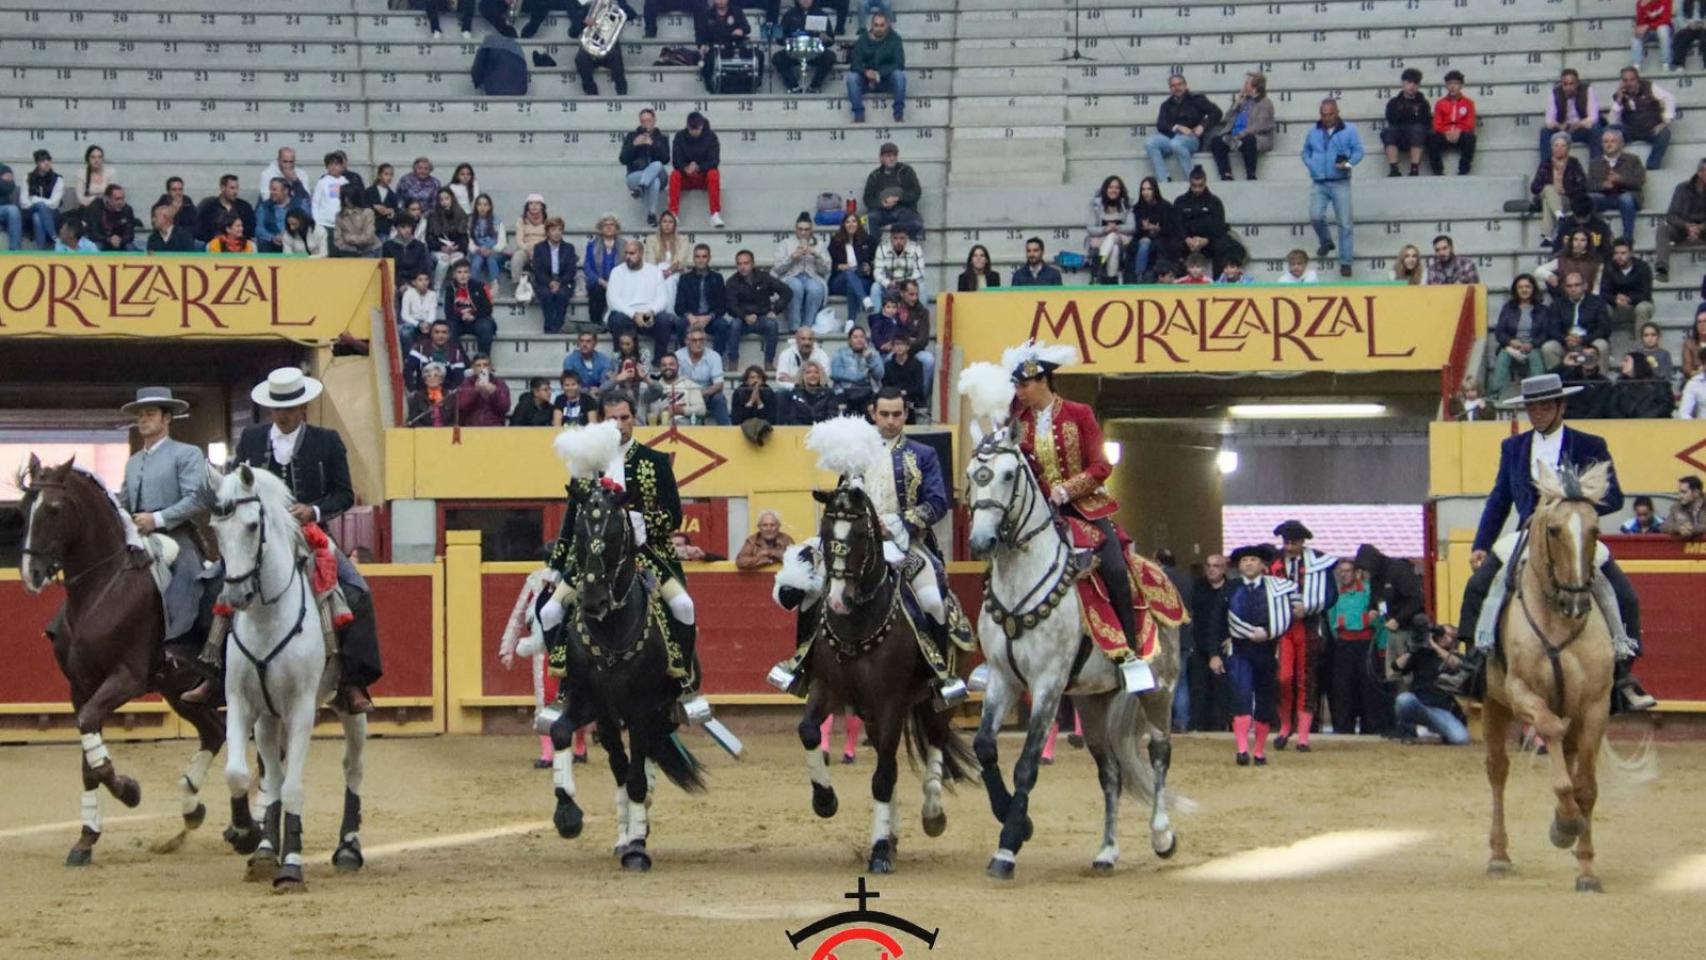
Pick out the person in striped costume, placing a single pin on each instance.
(1259, 610)
(1311, 572)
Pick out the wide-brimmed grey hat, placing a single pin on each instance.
(1546, 386)
(160, 397)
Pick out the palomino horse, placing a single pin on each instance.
(276, 677)
(1038, 643)
(1555, 668)
(108, 642)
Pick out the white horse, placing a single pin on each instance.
(277, 675)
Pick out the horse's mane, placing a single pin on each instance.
(1569, 483)
(132, 536)
(276, 501)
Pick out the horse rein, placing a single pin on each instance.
(254, 573)
(1011, 511)
(1553, 592)
(56, 563)
(1020, 503)
(839, 549)
(595, 548)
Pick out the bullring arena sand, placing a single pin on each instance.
(462, 862)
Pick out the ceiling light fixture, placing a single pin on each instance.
(1305, 411)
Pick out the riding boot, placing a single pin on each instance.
(1629, 693)
(684, 660)
(1469, 679)
(211, 662)
(950, 689)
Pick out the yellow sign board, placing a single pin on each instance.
(1225, 329)
(1650, 454)
(214, 296)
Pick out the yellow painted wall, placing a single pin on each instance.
(1464, 457)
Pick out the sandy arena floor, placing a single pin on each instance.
(742, 864)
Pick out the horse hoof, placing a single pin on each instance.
(347, 858)
(879, 866)
(79, 857)
(1165, 848)
(1000, 869)
(262, 865)
(1102, 867)
(635, 860)
(569, 819)
(1589, 885)
(243, 841)
(824, 802)
(288, 879)
(935, 826)
(1564, 833)
(127, 791)
(1498, 868)
(194, 819)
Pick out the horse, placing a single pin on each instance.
(278, 674)
(108, 641)
(1032, 634)
(1554, 668)
(618, 674)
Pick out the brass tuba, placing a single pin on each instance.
(604, 27)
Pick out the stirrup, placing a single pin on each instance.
(1136, 677)
(695, 708)
(785, 680)
(950, 693)
(979, 679)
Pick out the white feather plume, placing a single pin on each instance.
(988, 390)
(586, 451)
(848, 446)
(1059, 354)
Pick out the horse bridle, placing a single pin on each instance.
(1554, 592)
(1013, 510)
(254, 573)
(56, 561)
(592, 572)
(841, 549)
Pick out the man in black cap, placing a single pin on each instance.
(1311, 571)
(1520, 457)
(1259, 611)
(884, 209)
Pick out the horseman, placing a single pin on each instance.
(1062, 442)
(654, 506)
(312, 462)
(1300, 646)
(1520, 457)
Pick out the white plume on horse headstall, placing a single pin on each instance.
(801, 570)
(1568, 483)
(847, 446)
(586, 451)
(1059, 354)
(988, 390)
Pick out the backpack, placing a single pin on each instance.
(831, 209)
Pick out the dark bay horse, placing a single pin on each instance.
(109, 638)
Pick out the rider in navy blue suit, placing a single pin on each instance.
(1543, 396)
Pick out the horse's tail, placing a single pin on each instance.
(958, 762)
(1641, 766)
(1126, 721)
(679, 764)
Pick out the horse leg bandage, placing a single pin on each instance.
(94, 750)
(92, 810)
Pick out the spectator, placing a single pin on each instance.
(856, 370)
(270, 216)
(701, 300)
(419, 310)
(1234, 274)
(71, 239)
(439, 347)
(1572, 108)
(803, 349)
(1408, 124)
(896, 262)
(419, 184)
(1693, 406)
(302, 236)
(487, 240)
(1627, 287)
(168, 236)
(1331, 149)
(696, 155)
(109, 222)
(1639, 395)
(464, 186)
(764, 548)
(1197, 268)
(1395, 589)
(1645, 519)
(530, 231)
(12, 216)
(1658, 356)
(182, 207)
(1692, 35)
(802, 265)
(45, 189)
(1035, 271)
(703, 366)
(210, 216)
(756, 301)
(1109, 231)
(1684, 223)
(96, 177)
(917, 314)
(534, 407)
(812, 400)
(586, 65)
(1408, 267)
(1471, 406)
(1448, 267)
(432, 404)
(1425, 704)
(231, 239)
(639, 302)
(570, 407)
(553, 271)
(1358, 704)
(1556, 186)
(851, 255)
(1522, 325)
(645, 157)
(754, 400)
(446, 233)
(499, 69)
(354, 233)
(1180, 125)
(1209, 598)
(720, 25)
(1202, 224)
(408, 256)
(978, 274)
(1250, 130)
(878, 63)
(329, 190)
(904, 373)
(1583, 219)
(1687, 518)
(382, 198)
(1298, 270)
(603, 253)
(685, 550)
(1615, 180)
(1581, 367)
(1652, 20)
(297, 185)
(790, 65)
(1692, 341)
(1453, 127)
(674, 399)
(629, 367)
(891, 174)
(1643, 112)
(1577, 318)
(1575, 256)
(483, 400)
(1158, 236)
(468, 306)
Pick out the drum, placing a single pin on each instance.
(734, 69)
(803, 46)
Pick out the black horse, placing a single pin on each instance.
(866, 654)
(617, 673)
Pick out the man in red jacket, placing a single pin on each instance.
(1454, 127)
(483, 400)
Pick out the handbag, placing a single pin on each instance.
(524, 290)
(1069, 260)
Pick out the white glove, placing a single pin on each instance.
(551, 614)
(551, 576)
(639, 523)
(893, 555)
(897, 530)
